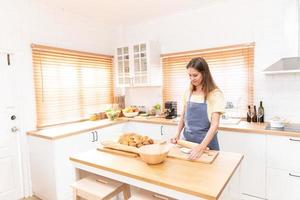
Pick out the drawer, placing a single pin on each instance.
(283, 152)
(282, 184)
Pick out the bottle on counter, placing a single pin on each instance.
(248, 114)
(260, 113)
(254, 119)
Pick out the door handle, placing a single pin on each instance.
(161, 130)
(294, 140)
(14, 129)
(93, 136)
(96, 133)
(294, 175)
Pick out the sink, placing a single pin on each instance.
(287, 127)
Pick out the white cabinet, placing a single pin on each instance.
(155, 131)
(168, 131)
(283, 168)
(110, 132)
(138, 64)
(151, 130)
(253, 167)
(283, 152)
(283, 184)
(51, 170)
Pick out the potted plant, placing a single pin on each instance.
(157, 108)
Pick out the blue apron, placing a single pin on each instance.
(197, 124)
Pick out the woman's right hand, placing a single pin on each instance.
(174, 139)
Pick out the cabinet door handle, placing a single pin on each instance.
(93, 136)
(294, 140)
(161, 130)
(293, 175)
(96, 133)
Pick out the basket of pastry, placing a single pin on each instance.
(134, 140)
(150, 151)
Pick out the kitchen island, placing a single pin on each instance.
(175, 178)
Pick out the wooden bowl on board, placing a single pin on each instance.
(154, 153)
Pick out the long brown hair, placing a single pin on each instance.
(208, 83)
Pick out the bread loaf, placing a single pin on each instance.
(134, 140)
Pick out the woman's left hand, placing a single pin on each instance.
(196, 152)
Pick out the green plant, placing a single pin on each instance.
(157, 106)
(112, 114)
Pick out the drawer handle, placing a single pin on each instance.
(293, 175)
(294, 140)
(101, 181)
(160, 197)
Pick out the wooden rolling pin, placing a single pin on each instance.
(186, 144)
(190, 145)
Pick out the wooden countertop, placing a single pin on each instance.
(80, 127)
(58, 132)
(202, 180)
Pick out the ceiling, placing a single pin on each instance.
(125, 12)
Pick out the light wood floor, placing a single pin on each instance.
(31, 198)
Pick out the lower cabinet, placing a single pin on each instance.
(283, 184)
(155, 131)
(270, 168)
(151, 130)
(253, 168)
(52, 172)
(283, 168)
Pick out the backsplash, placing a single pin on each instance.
(143, 96)
(281, 96)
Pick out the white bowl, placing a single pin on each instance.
(154, 153)
(130, 114)
(276, 124)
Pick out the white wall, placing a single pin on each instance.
(31, 21)
(270, 24)
(24, 22)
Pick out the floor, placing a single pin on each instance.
(31, 198)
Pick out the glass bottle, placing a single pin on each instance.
(248, 114)
(260, 113)
(254, 119)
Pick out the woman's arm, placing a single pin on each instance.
(179, 127)
(198, 150)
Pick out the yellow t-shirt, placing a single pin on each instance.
(215, 101)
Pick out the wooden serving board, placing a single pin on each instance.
(119, 152)
(175, 152)
(207, 157)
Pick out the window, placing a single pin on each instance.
(70, 85)
(231, 68)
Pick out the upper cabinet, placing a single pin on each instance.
(138, 65)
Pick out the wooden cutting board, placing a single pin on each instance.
(175, 152)
(207, 157)
(119, 152)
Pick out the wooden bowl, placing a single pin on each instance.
(153, 153)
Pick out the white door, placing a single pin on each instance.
(10, 175)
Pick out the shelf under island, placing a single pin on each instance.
(179, 179)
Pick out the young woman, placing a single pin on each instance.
(203, 105)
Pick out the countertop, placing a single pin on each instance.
(202, 180)
(77, 128)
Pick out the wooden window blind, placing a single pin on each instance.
(231, 68)
(70, 85)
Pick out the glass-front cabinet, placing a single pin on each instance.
(123, 71)
(138, 65)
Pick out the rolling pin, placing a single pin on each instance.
(186, 144)
(190, 145)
